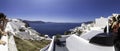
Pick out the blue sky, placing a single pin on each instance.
(59, 10)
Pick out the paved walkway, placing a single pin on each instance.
(58, 48)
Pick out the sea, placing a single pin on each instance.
(51, 29)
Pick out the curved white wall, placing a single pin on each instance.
(75, 43)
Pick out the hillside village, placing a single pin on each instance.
(20, 36)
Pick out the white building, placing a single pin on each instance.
(101, 22)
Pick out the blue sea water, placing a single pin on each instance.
(53, 28)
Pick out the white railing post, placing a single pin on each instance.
(108, 25)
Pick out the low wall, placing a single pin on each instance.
(51, 47)
(12, 44)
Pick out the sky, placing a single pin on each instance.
(59, 10)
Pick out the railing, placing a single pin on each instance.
(52, 45)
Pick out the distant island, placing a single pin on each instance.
(34, 21)
(87, 22)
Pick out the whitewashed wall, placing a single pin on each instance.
(75, 43)
(101, 22)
